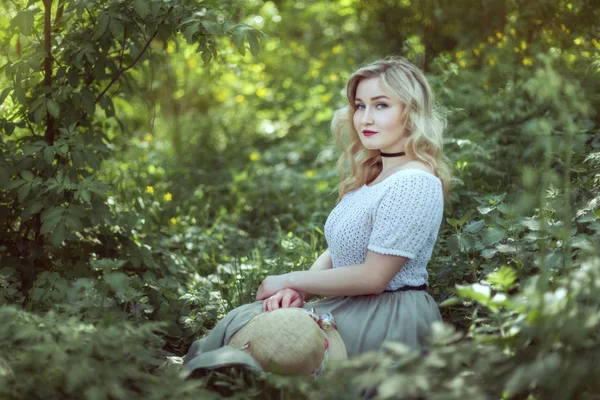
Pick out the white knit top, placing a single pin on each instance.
(400, 215)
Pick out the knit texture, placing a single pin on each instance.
(399, 216)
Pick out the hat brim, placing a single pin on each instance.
(225, 356)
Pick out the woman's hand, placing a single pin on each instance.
(271, 285)
(285, 298)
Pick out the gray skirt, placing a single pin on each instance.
(364, 323)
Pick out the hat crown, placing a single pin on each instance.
(287, 341)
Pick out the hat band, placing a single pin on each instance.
(325, 321)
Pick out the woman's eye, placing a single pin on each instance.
(360, 106)
(381, 105)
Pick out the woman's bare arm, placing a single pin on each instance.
(323, 262)
(371, 277)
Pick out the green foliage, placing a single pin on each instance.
(139, 182)
(57, 357)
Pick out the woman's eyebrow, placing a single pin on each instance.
(373, 98)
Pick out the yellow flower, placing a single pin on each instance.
(239, 98)
(513, 31)
(462, 63)
(325, 97)
(460, 54)
(337, 49)
(476, 52)
(149, 189)
(222, 95)
(168, 196)
(254, 156)
(170, 47)
(491, 39)
(517, 50)
(492, 61)
(148, 137)
(192, 62)
(527, 61)
(333, 77)
(173, 220)
(499, 35)
(523, 44)
(261, 92)
(310, 173)
(578, 41)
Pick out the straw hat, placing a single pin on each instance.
(291, 341)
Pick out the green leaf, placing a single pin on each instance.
(212, 27)
(477, 292)
(27, 176)
(239, 36)
(484, 209)
(58, 235)
(15, 184)
(24, 192)
(39, 114)
(504, 279)
(4, 94)
(73, 77)
(116, 28)
(253, 41)
(452, 301)
(32, 209)
(19, 92)
(74, 222)
(85, 195)
(53, 108)
(103, 21)
(453, 243)
(190, 31)
(24, 21)
(118, 281)
(53, 213)
(492, 236)
(49, 154)
(50, 224)
(89, 101)
(141, 8)
(108, 264)
(474, 227)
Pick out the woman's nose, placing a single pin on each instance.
(366, 118)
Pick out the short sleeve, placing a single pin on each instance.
(407, 215)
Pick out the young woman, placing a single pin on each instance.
(381, 233)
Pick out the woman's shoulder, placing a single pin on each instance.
(417, 165)
(414, 171)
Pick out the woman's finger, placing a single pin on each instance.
(273, 303)
(298, 302)
(287, 299)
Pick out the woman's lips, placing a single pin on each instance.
(368, 133)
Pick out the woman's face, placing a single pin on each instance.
(377, 117)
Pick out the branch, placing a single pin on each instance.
(122, 70)
(59, 12)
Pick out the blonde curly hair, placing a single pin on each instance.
(423, 123)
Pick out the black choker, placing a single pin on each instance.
(393, 154)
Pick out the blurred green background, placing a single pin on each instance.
(159, 158)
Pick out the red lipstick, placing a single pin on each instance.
(367, 132)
